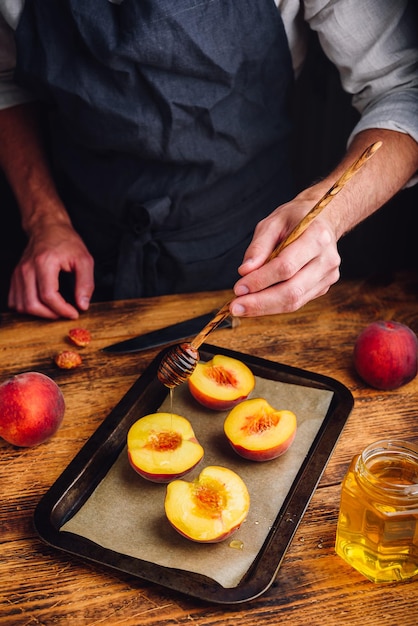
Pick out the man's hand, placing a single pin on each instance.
(53, 245)
(307, 268)
(302, 271)
(34, 287)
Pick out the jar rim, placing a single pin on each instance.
(391, 448)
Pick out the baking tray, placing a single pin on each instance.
(91, 465)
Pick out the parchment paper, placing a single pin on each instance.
(125, 513)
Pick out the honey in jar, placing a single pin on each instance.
(377, 530)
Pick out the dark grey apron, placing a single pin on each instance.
(169, 131)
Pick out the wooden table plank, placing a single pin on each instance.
(40, 585)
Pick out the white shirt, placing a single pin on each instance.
(371, 42)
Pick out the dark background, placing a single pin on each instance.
(324, 118)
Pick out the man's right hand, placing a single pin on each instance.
(34, 287)
(53, 245)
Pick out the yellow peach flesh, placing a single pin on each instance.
(163, 444)
(221, 380)
(257, 428)
(209, 509)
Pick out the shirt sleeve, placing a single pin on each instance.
(10, 93)
(373, 43)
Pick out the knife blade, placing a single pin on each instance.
(164, 336)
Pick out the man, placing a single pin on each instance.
(170, 128)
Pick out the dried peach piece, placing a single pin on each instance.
(79, 336)
(68, 359)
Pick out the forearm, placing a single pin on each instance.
(53, 245)
(24, 162)
(390, 168)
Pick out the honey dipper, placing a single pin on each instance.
(179, 362)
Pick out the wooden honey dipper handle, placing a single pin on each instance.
(296, 232)
(326, 198)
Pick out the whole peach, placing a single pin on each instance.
(31, 409)
(386, 354)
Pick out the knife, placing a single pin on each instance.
(167, 335)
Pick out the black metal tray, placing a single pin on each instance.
(91, 464)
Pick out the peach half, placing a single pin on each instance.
(163, 446)
(221, 383)
(209, 509)
(258, 432)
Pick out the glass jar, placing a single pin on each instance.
(377, 530)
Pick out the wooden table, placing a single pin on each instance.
(41, 585)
